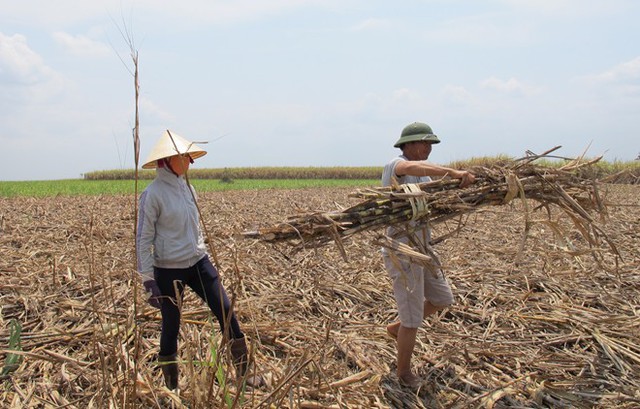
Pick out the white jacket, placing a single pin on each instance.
(169, 234)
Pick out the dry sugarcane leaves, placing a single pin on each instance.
(554, 330)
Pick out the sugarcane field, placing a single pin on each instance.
(544, 268)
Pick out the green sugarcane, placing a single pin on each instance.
(12, 360)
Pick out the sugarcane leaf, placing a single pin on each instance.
(12, 361)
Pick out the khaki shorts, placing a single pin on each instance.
(413, 284)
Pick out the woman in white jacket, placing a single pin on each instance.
(171, 254)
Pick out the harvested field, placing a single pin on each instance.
(546, 328)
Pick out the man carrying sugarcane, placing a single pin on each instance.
(420, 289)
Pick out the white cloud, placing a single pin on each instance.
(522, 22)
(625, 72)
(154, 113)
(456, 94)
(398, 105)
(371, 24)
(19, 63)
(484, 30)
(511, 87)
(621, 79)
(567, 8)
(545, 6)
(183, 13)
(405, 95)
(24, 76)
(82, 45)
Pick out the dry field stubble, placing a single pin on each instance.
(543, 328)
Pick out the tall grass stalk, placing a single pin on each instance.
(134, 272)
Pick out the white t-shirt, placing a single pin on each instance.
(422, 232)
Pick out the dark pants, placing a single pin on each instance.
(204, 280)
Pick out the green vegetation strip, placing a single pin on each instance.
(72, 187)
(110, 182)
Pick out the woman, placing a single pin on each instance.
(172, 254)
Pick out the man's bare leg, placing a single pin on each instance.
(429, 309)
(406, 341)
(392, 329)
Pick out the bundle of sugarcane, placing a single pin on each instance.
(440, 200)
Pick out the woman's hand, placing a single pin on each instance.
(153, 292)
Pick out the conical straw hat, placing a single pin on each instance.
(171, 144)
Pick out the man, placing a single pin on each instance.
(419, 290)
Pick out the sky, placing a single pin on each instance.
(314, 83)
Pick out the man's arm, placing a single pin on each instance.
(423, 168)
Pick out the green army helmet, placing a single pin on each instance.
(416, 131)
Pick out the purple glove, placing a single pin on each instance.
(151, 287)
